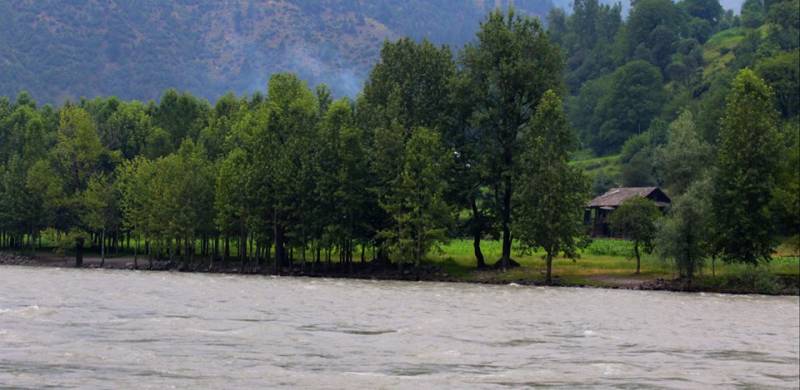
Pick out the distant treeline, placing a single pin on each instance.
(435, 146)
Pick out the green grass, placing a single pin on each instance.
(718, 50)
(607, 263)
(601, 256)
(610, 165)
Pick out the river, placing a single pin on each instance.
(126, 329)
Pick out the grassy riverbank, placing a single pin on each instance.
(604, 263)
(607, 263)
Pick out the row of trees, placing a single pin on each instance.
(436, 146)
(295, 172)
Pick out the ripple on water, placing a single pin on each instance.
(161, 330)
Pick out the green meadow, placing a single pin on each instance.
(606, 263)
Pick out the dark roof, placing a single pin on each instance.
(615, 196)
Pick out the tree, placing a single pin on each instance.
(685, 235)
(417, 203)
(277, 136)
(654, 25)
(507, 70)
(709, 10)
(635, 97)
(101, 202)
(233, 201)
(638, 172)
(551, 193)
(76, 158)
(753, 13)
(636, 219)
(685, 157)
(747, 161)
(181, 115)
(786, 203)
(214, 137)
(134, 183)
(410, 84)
(127, 129)
(782, 73)
(340, 202)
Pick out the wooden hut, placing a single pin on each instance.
(598, 210)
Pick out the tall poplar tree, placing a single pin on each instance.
(417, 203)
(508, 68)
(747, 162)
(551, 193)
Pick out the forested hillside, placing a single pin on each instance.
(628, 79)
(136, 49)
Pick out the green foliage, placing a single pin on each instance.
(101, 202)
(782, 73)
(652, 28)
(551, 193)
(686, 235)
(745, 177)
(634, 98)
(410, 84)
(785, 202)
(416, 203)
(636, 219)
(505, 74)
(709, 10)
(685, 157)
(753, 13)
(602, 183)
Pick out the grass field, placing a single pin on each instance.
(592, 166)
(603, 263)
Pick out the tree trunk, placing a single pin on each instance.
(226, 251)
(638, 257)
(78, 252)
(280, 250)
(506, 213)
(713, 266)
(476, 234)
(242, 251)
(548, 279)
(102, 248)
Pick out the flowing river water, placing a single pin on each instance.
(66, 328)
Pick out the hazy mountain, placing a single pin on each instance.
(59, 49)
(734, 5)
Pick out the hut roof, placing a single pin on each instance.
(615, 196)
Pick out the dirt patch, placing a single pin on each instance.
(621, 281)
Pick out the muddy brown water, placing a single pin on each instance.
(66, 328)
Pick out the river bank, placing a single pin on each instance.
(757, 282)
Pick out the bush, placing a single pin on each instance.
(749, 279)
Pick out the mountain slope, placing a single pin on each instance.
(62, 50)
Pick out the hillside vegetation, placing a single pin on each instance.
(136, 49)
